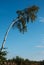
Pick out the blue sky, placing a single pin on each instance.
(29, 45)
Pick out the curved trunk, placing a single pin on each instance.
(6, 34)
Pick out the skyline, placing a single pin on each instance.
(30, 44)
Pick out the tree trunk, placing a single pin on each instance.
(6, 34)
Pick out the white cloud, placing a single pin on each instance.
(41, 19)
(40, 46)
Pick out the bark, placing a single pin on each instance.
(6, 34)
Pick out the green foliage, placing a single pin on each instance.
(21, 61)
(25, 16)
(2, 56)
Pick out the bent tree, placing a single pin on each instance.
(24, 17)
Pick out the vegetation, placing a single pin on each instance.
(21, 61)
(24, 17)
(2, 56)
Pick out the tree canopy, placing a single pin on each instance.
(26, 15)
